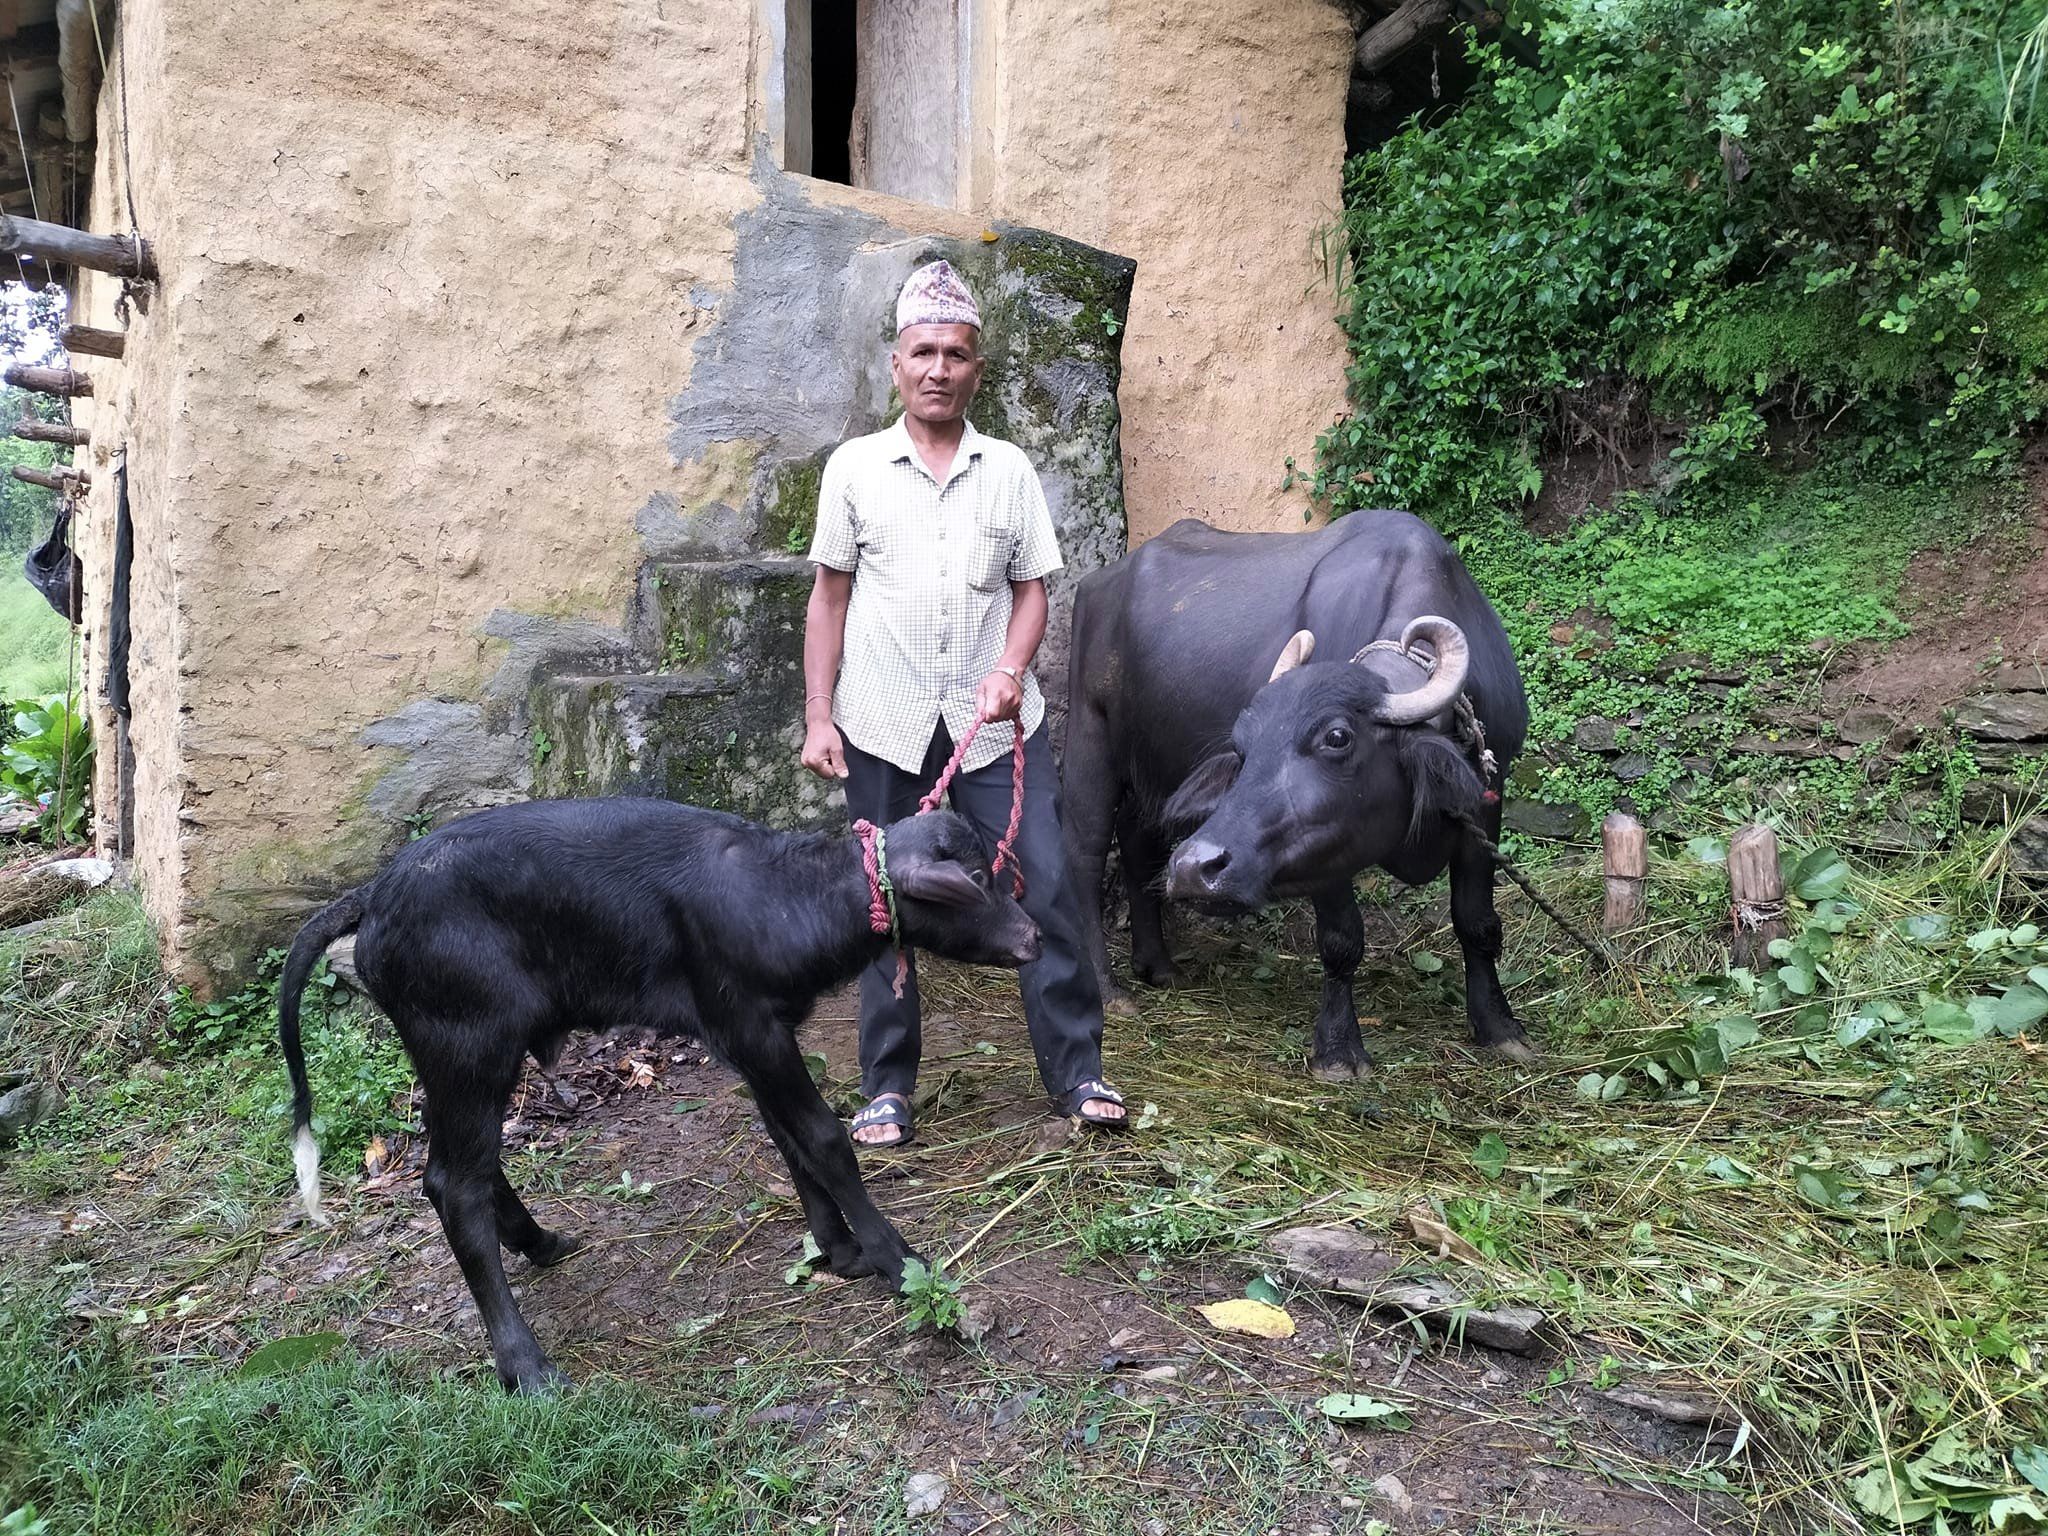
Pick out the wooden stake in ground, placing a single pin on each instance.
(1625, 850)
(1756, 889)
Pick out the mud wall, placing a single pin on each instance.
(418, 397)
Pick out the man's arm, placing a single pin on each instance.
(1001, 696)
(824, 643)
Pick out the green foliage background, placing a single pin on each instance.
(1793, 253)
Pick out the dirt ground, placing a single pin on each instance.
(693, 1269)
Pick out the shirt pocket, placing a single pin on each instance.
(990, 551)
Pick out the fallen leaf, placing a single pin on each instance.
(376, 1156)
(989, 237)
(1261, 1319)
(1357, 1408)
(1563, 634)
(637, 1073)
(1440, 1239)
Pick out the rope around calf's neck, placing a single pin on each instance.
(874, 846)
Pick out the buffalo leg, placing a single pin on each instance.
(1477, 924)
(462, 1181)
(1340, 940)
(1091, 788)
(518, 1230)
(1143, 851)
(764, 1052)
(827, 1225)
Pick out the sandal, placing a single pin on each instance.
(1095, 1088)
(884, 1109)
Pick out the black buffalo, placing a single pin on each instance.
(493, 938)
(1194, 710)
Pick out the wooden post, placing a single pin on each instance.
(51, 432)
(91, 339)
(1626, 852)
(59, 245)
(54, 479)
(48, 381)
(1380, 43)
(1757, 890)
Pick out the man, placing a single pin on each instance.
(933, 545)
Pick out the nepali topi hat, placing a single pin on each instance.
(934, 295)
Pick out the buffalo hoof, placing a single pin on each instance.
(1340, 1071)
(1156, 973)
(555, 1247)
(847, 1261)
(542, 1379)
(1524, 1051)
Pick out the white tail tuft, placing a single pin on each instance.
(306, 1158)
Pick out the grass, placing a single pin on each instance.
(1834, 1221)
(34, 639)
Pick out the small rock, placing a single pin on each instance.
(1595, 734)
(24, 1107)
(2023, 676)
(1538, 818)
(1518, 1330)
(90, 873)
(1156, 1527)
(1673, 1407)
(1160, 1373)
(1348, 1502)
(2005, 716)
(1334, 1258)
(1395, 1492)
(1989, 801)
(924, 1494)
(17, 819)
(1865, 723)
(1631, 766)
(341, 959)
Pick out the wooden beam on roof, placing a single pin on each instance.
(47, 381)
(1381, 43)
(57, 479)
(90, 339)
(61, 245)
(51, 432)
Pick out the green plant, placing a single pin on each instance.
(46, 758)
(1797, 212)
(543, 746)
(934, 1296)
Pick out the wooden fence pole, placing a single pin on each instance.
(1756, 887)
(48, 381)
(92, 340)
(59, 245)
(1625, 849)
(51, 432)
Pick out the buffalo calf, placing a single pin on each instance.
(491, 939)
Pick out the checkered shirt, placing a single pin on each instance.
(932, 565)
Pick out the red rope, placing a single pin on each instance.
(878, 904)
(1006, 848)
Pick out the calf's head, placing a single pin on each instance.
(1328, 772)
(948, 901)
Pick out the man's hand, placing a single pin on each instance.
(824, 750)
(1000, 697)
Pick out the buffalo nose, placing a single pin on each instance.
(1198, 867)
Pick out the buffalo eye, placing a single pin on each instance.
(981, 878)
(1337, 739)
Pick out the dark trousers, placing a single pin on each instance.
(1062, 1004)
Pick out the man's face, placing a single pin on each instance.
(937, 369)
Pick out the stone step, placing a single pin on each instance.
(707, 736)
(744, 618)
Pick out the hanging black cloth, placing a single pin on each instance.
(52, 569)
(117, 621)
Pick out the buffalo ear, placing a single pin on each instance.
(1196, 799)
(1441, 780)
(942, 881)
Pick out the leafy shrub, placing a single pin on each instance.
(1800, 211)
(45, 757)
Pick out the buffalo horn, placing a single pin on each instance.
(1297, 650)
(1446, 678)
